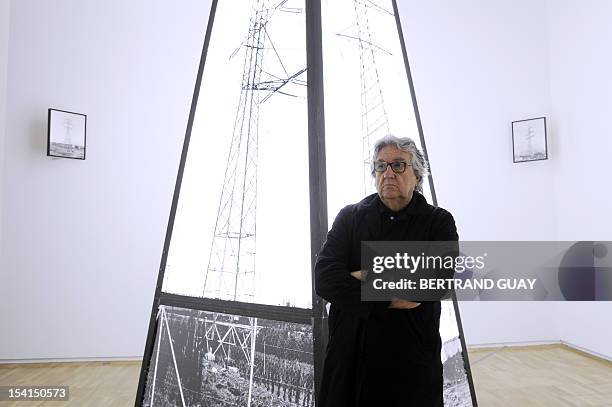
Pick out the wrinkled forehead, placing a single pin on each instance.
(391, 153)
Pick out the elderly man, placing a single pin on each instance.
(382, 354)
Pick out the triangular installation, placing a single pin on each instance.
(235, 321)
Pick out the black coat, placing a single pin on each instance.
(378, 356)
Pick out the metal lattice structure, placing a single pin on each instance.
(163, 323)
(212, 339)
(374, 118)
(230, 274)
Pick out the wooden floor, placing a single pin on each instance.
(91, 384)
(550, 375)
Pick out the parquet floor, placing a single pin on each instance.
(534, 376)
(549, 375)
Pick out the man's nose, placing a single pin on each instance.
(388, 172)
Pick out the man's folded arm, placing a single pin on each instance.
(333, 280)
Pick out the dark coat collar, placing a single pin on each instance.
(418, 204)
(371, 210)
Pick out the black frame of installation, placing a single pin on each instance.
(316, 316)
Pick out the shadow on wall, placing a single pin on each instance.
(37, 135)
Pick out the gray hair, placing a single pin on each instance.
(420, 166)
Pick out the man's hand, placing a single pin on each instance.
(402, 304)
(359, 275)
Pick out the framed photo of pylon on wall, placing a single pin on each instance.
(529, 140)
(66, 134)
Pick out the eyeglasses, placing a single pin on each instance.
(397, 167)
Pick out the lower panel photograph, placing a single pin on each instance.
(457, 391)
(208, 359)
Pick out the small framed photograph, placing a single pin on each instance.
(66, 134)
(529, 140)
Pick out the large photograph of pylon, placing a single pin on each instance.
(241, 229)
(209, 359)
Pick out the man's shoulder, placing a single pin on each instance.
(427, 208)
(439, 211)
(367, 203)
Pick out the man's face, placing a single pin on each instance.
(391, 185)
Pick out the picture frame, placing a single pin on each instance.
(66, 134)
(529, 140)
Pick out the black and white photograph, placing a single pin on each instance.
(66, 134)
(456, 385)
(227, 242)
(209, 359)
(529, 141)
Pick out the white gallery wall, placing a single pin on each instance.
(581, 99)
(82, 240)
(477, 66)
(4, 41)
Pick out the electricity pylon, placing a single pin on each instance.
(230, 274)
(374, 118)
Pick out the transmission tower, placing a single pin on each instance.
(189, 338)
(230, 274)
(374, 119)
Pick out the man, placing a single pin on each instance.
(382, 354)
